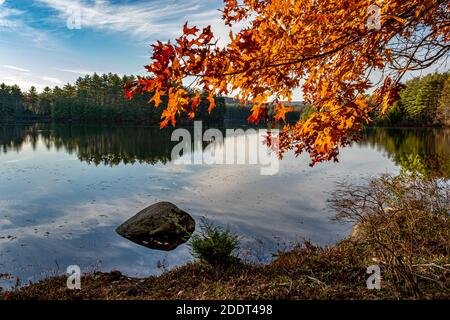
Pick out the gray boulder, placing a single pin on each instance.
(161, 226)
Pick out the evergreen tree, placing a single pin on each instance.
(45, 102)
(443, 111)
(423, 101)
(32, 99)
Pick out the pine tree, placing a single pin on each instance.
(443, 112)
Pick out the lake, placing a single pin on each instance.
(65, 188)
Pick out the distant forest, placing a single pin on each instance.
(425, 101)
(96, 98)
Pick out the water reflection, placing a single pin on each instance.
(93, 144)
(65, 188)
(111, 146)
(429, 147)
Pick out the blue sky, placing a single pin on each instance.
(38, 48)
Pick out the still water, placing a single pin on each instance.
(65, 188)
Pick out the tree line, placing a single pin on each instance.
(424, 101)
(93, 98)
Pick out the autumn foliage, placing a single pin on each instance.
(332, 50)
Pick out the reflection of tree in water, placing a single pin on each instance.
(12, 137)
(95, 144)
(425, 150)
(112, 145)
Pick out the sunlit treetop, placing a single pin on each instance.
(327, 48)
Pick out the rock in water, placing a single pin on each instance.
(161, 226)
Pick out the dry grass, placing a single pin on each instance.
(305, 272)
(404, 227)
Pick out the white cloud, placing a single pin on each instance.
(76, 71)
(7, 16)
(146, 20)
(14, 21)
(52, 80)
(24, 80)
(22, 83)
(6, 66)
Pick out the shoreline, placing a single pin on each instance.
(306, 272)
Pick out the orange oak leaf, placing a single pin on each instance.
(189, 31)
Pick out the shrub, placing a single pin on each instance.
(402, 223)
(214, 245)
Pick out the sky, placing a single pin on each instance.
(52, 42)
